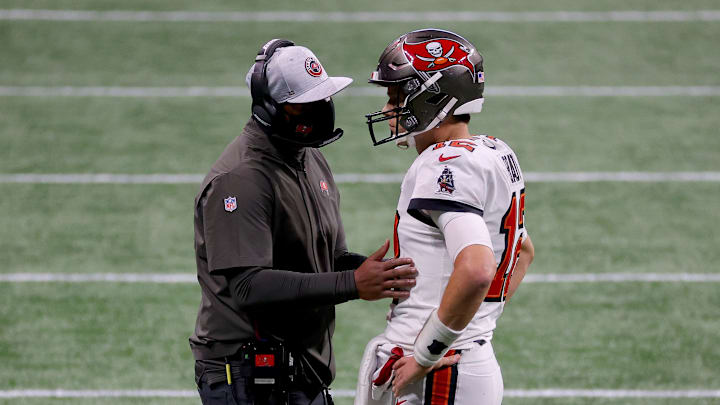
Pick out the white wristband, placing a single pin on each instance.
(433, 341)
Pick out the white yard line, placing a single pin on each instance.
(569, 393)
(60, 393)
(358, 91)
(345, 393)
(190, 278)
(375, 178)
(623, 277)
(150, 278)
(101, 178)
(361, 17)
(99, 91)
(652, 177)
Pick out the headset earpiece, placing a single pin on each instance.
(264, 108)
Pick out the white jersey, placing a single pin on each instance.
(480, 175)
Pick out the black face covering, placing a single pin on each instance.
(314, 127)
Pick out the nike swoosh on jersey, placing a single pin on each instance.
(444, 159)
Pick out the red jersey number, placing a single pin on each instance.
(396, 239)
(511, 224)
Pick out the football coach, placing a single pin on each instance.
(270, 248)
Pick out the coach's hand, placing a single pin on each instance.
(377, 279)
(407, 371)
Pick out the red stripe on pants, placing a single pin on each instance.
(441, 384)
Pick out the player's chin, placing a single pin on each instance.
(393, 128)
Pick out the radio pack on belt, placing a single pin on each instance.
(271, 364)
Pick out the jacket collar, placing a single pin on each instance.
(258, 140)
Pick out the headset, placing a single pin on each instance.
(264, 108)
(268, 113)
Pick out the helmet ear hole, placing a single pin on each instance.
(410, 86)
(410, 123)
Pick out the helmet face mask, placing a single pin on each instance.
(405, 121)
(438, 73)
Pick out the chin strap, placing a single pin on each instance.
(442, 114)
(405, 142)
(437, 76)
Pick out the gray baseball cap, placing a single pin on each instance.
(295, 75)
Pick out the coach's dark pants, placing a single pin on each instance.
(214, 392)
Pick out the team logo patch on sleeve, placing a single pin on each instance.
(324, 187)
(230, 204)
(445, 182)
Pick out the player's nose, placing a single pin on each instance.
(387, 109)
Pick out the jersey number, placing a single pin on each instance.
(512, 223)
(469, 146)
(396, 239)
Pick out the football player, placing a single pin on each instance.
(460, 216)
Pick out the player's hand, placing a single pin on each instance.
(377, 278)
(407, 371)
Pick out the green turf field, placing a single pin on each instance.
(185, 135)
(366, 5)
(582, 228)
(87, 337)
(174, 54)
(118, 336)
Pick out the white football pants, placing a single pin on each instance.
(475, 380)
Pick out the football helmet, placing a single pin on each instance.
(436, 73)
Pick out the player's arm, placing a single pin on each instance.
(527, 254)
(468, 242)
(473, 272)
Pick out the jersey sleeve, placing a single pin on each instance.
(460, 230)
(237, 217)
(453, 185)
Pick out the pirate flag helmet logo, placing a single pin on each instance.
(438, 54)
